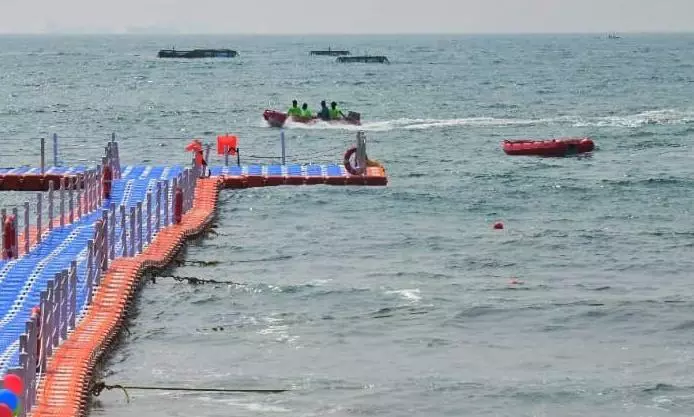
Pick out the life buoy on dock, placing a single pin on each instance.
(106, 181)
(348, 164)
(8, 239)
(178, 206)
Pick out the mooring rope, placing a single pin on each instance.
(195, 280)
(98, 387)
(181, 262)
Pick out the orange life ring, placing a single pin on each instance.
(348, 165)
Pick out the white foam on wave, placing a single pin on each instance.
(418, 124)
(651, 117)
(412, 124)
(279, 331)
(408, 294)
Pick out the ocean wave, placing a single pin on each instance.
(411, 295)
(648, 182)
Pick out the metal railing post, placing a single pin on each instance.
(166, 203)
(149, 217)
(50, 205)
(157, 215)
(106, 245)
(27, 236)
(71, 204)
(72, 284)
(15, 247)
(139, 227)
(79, 196)
(3, 217)
(39, 214)
(284, 152)
(124, 243)
(90, 262)
(131, 252)
(111, 236)
(62, 202)
(43, 156)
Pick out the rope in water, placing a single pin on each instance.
(195, 280)
(181, 262)
(100, 386)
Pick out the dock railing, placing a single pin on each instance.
(125, 232)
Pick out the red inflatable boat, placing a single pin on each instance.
(277, 119)
(551, 147)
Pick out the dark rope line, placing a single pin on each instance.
(196, 281)
(181, 262)
(100, 386)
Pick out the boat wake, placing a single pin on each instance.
(653, 117)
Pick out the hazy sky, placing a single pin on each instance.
(349, 16)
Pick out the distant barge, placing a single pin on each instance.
(198, 53)
(330, 52)
(366, 59)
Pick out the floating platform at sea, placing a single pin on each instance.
(198, 53)
(380, 59)
(330, 52)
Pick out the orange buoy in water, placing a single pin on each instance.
(498, 225)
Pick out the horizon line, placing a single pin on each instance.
(151, 32)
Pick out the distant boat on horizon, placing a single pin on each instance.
(613, 36)
(364, 58)
(330, 52)
(197, 53)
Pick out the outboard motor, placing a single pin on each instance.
(353, 115)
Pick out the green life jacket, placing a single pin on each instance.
(306, 113)
(294, 111)
(334, 113)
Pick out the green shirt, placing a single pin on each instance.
(294, 111)
(306, 113)
(334, 113)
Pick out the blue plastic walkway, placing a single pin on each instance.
(311, 170)
(79, 169)
(22, 280)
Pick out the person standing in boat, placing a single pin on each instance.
(335, 113)
(294, 110)
(324, 113)
(306, 112)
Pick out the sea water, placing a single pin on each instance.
(403, 300)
